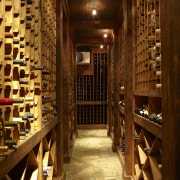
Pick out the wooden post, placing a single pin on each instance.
(128, 31)
(116, 140)
(109, 93)
(59, 92)
(170, 36)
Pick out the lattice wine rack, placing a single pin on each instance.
(147, 91)
(92, 93)
(27, 88)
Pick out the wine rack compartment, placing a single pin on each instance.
(148, 46)
(147, 91)
(92, 92)
(148, 153)
(92, 114)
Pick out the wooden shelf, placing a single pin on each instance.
(151, 93)
(152, 127)
(13, 156)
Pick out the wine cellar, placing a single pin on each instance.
(59, 73)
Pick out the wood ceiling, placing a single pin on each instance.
(88, 30)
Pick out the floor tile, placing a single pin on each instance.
(92, 158)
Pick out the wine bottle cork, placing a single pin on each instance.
(158, 85)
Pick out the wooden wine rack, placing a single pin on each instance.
(92, 93)
(147, 91)
(28, 75)
(148, 48)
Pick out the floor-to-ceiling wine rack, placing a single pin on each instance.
(92, 93)
(27, 89)
(147, 91)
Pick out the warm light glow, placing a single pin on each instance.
(105, 35)
(101, 46)
(94, 12)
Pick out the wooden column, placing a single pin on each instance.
(128, 32)
(59, 92)
(170, 36)
(116, 140)
(109, 93)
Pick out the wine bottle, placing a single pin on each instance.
(15, 41)
(8, 57)
(46, 72)
(11, 123)
(10, 143)
(29, 1)
(8, 101)
(29, 98)
(21, 62)
(23, 81)
(36, 68)
(29, 115)
(46, 97)
(29, 18)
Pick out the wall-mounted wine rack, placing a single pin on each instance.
(27, 89)
(92, 93)
(147, 91)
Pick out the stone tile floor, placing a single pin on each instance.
(92, 158)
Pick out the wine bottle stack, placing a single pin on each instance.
(147, 91)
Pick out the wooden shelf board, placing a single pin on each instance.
(152, 127)
(12, 157)
(91, 102)
(15, 155)
(150, 93)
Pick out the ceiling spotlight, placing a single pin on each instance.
(101, 46)
(94, 12)
(105, 35)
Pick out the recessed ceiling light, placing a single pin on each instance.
(105, 35)
(94, 12)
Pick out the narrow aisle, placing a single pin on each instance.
(92, 158)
